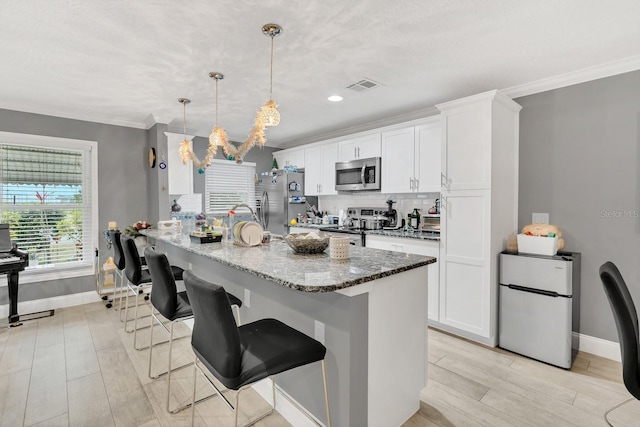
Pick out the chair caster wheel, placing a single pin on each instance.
(109, 305)
(146, 297)
(104, 297)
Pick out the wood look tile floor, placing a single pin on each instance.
(79, 368)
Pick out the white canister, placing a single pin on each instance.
(339, 247)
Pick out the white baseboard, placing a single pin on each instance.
(597, 346)
(52, 303)
(285, 407)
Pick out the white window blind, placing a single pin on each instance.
(227, 184)
(48, 198)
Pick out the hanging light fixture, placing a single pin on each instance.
(186, 149)
(218, 135)
(268, 115)
(269, 112)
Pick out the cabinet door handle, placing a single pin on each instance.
(355, 150)
(410, 183)
(358, 152)
(443, 181)
(416, 184)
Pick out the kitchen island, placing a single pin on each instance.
(369, 311)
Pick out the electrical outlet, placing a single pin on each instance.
(247, 298)
(319, 332)
(540, 218)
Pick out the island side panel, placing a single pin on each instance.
(397, 346)
(346, 335)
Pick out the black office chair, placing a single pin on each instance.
(173, 306)
(138, 281)
(626, 317)
(238, 356)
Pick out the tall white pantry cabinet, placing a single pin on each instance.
(479, 209)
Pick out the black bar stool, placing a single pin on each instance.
(173, 306)
(138, 280)
(119, 261)
(238, 356)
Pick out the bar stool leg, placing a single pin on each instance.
(151, 340)
(169, 367)
(193, 399)
(326, 393)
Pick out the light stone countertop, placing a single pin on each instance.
(277, 262)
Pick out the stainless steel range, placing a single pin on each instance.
(358, 221)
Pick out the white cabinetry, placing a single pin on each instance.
(419, 247)
(319, 172)
(290, 157)
(360, 148)
(411, 159)
(479, 197)
(179, 175)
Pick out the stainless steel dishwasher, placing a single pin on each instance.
(539, 301)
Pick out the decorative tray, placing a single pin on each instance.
(206, 238)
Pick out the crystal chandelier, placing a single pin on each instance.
(267, 116)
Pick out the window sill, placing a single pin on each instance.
(43, 274)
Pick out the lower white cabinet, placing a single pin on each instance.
(418, 247)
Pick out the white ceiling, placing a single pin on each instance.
(127, 62)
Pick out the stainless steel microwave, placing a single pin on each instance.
(358, 175)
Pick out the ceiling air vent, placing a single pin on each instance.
(364, 84)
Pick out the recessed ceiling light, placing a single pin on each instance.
(335, 98)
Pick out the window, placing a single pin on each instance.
(49, 200)
(228, 184)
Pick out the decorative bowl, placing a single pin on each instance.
(307, 243)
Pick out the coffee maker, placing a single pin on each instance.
(391, 214)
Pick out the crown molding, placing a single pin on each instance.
(82, 116)
(596, 72)
(374, 124)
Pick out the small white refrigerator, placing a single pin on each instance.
(539, 305)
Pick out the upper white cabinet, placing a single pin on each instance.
(319, 172)
(179, 175)
(479, 209)
(428, 157)
(467, 144)
(411, 159)
(360, 148)
(290, 157)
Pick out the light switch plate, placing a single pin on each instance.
(540, 218)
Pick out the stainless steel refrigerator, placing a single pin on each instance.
(280, 198)
(539, 305)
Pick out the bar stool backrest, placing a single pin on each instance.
(118, 256)
(133, 264)
(164, 296)
(215, 338)
(626, 317)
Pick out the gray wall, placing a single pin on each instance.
(579, 161)
(122, 182)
